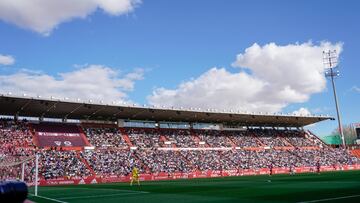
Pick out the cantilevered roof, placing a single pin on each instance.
(54, 108)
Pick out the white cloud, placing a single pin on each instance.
(355, 89)
(302, 112)
(322, 110)
(44, 15)
(270, 77)
(95, 82)
(6, 60)
(216, 88)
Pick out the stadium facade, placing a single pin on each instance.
(83, 143)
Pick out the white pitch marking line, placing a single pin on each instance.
(47, 198)
(109, 189)
(106, 189)
(91, 196)
(328, 199)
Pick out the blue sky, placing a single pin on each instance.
(174, 42)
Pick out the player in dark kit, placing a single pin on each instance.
(270, 172)
(318, 167)
(270, 169)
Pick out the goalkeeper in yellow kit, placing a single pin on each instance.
(135, 176)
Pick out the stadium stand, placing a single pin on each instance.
(109, 162)
(213, 138)
(242, 139)
(55, 164)
(181, 138)
(16, 145)
(105, 136)
(144, 138)
(112, 156)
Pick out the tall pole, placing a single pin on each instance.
(330, 60)
(23, 171)
(338, 112)
(36, 173)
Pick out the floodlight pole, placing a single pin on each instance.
(338, 111)
(329, 56)
(23, 171)
(36, 173)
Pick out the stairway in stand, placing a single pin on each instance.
(355, 152)
(34, 137)
(85, 162)
(125, 136)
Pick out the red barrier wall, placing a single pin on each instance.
(198, 174)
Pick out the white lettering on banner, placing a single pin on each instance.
(67, 143)
(58, 134)
(64, 182)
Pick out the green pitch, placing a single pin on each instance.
(326, 187)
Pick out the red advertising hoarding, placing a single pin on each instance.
(50, 139)
(197, 174)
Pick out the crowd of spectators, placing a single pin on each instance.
(144, 137)
(14, 134)
(60, 164)
(214, 138)
(155, 161)
(105, 137)
(185, 138)
(112, 155)
(326, 157)
(110, 162)
(16, 147)
(242, 138)
(269, 137)
(164, 161)
(11, 165)
(180, 137)
(299, 139)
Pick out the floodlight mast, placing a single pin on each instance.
(331, 63)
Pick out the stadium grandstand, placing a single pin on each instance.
(97, 143)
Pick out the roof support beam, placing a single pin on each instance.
(117, 113)
(96, 111)
(72, 111)
(48, 109)
(23, 106)
(138, 113)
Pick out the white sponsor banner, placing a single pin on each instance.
(58, 134)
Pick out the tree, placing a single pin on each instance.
(349, 134)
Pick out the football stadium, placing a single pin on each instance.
(85, 152)
(181, 101)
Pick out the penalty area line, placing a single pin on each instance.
(329, 199)
(47, 198)
(96, 196)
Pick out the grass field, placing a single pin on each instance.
(326, 187)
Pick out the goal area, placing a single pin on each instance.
(20, 168)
